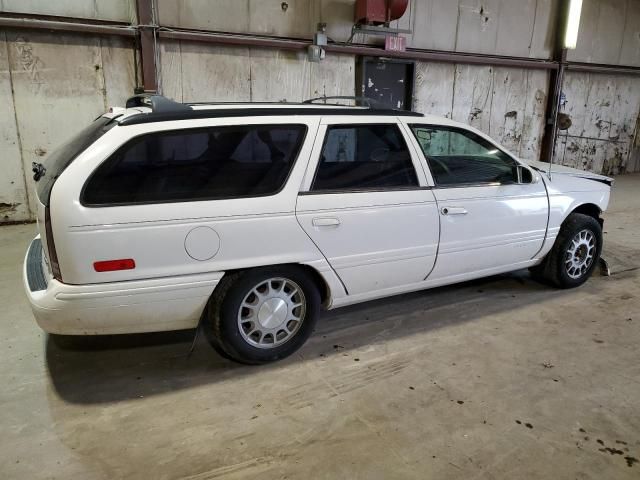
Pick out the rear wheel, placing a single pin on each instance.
(264, 314)
(575, 253)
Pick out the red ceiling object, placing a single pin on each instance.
(378, 12)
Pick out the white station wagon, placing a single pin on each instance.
(253, 217)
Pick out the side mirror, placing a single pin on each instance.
(525, 175)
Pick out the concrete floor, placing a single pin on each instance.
(499, 378)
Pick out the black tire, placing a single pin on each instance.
(225, 304)
(554, 267)
(208, 333)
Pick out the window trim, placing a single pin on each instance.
(438, 186)
(365, 190)
(295, 156)
(318, 162)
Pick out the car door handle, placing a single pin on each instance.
(325, 222)
(453, 211)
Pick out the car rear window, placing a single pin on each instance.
(364, 157)
(197, 164)
(61, 158)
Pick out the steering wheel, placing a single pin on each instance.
(441, 164)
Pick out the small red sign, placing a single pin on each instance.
(395, 43)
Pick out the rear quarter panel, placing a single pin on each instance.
(251, 231)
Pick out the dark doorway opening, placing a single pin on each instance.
(387, 81)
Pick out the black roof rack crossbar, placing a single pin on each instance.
(190, 114)
(157, 103)
(160, 104)
(359, 101)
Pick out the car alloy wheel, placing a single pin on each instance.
(580, 254)
(271, 313)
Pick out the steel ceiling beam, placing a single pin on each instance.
(232, 39)
(411, 54)
(602, 68)
(75, 26)
(145, 31)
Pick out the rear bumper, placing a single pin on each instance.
(120, 307)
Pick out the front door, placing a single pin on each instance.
(493, 215)
(366, 205)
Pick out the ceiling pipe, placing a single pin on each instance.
(64, 26)
(411, 54)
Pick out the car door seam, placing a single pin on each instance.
(295, 214)
(435, 262)
(546, 232)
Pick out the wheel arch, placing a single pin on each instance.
(317, 278)
(590, 209)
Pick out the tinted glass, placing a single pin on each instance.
(462, 157)
(61, 158)
(211, 163)
(356, 157)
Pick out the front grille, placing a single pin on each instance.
(35, 277)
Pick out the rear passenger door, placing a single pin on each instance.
(366, 204)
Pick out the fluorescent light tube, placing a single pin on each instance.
(573, 24)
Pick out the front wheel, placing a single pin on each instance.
(575, 253)
(264, 314)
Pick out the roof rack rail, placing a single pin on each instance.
(359, 101)
(157, 103)
(254, 112)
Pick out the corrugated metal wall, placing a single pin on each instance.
(503, 27)
(202, 72)
(604, 109)
(52, 84)
(609, 33)
(604, 114)
(506, 103)
(113, 10)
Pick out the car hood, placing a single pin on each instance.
(573, 172)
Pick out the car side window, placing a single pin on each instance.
(460, 157)
(197, 164)
(364, 157)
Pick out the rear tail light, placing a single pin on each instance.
(53, 256)
(114, 265)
